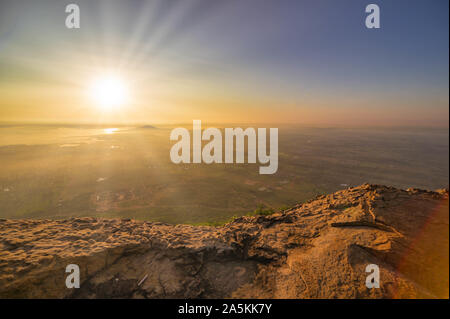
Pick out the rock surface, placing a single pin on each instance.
(318, 249)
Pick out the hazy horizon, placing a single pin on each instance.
(220, 124)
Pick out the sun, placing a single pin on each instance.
(108, 91)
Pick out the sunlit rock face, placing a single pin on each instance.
(318, 249)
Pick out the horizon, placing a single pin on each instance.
(219, 124)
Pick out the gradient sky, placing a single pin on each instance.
(308, 62)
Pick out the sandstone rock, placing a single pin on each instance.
(318, 249)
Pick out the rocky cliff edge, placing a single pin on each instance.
(318, 249)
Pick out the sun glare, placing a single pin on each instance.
(110, 130)
(108, 92)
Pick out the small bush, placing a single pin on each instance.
(262, 210)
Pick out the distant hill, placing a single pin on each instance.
(319, 249)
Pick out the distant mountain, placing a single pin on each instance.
(318, 249)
